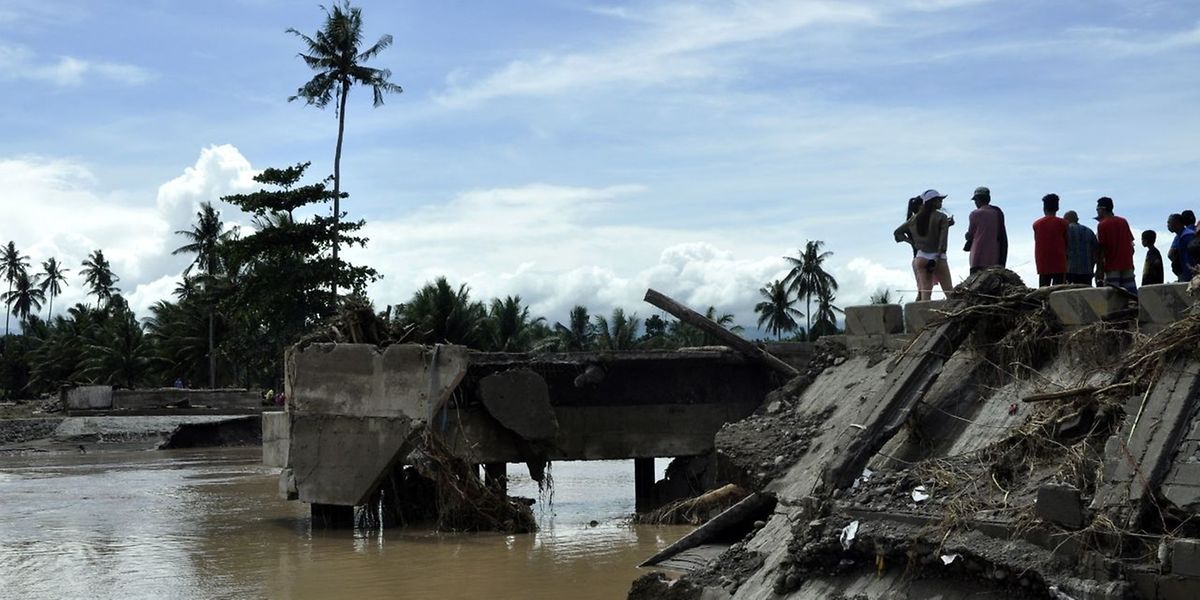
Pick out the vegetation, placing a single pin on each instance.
(335, 54)
(808, 278)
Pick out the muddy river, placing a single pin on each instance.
(209, 524)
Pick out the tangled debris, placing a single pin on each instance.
(1009, 514)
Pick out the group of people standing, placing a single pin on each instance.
(1065, 250)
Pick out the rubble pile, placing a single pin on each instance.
(998, 453)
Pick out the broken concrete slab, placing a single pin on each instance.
(1060, 504)
(339, 460)
(236, 431)
(1181, 486)
(919, 314)
(874, 319)
(1084, 306)
(1162, 304)
(1139, 456)
(520, 400)
(364, 380)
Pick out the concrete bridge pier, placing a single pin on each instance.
(643, 484)
(496, 475)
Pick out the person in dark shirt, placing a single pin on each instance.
(1181, 260)
(1152, 268)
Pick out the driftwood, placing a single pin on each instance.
(734, 516)
(694, 511)
(703, 323)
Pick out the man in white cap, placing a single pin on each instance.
(987, 239)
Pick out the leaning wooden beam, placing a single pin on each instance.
(735, 515)
(707, 325)
(1083, 391)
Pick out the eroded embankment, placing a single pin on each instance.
(1022, 460)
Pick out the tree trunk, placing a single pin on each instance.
(50, 309)
(7, 310)
(808, 317)
(337, 181)
(212, 358)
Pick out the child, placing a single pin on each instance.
(1152, 269)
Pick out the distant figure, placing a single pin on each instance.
(1181, 259)
(1189, 218)
(987, 238)
(1050, 244)
(928, 232)
(1081, 251)
(1152, 269)
(269, 397)
(178, 383)
(280, 399)
(1116, 247)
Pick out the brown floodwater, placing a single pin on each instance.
(209, 524)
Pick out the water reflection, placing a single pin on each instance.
(210, 525)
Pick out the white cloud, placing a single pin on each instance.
(58, 207)
(668, 47)
(19, 63)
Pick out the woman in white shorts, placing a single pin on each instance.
(928, 231)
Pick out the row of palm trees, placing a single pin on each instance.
(27, 291)
(806, 279)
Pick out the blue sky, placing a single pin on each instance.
(577, 152)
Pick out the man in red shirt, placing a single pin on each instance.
(1115, 247)
(1050, 244)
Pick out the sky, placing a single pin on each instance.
(579, 153)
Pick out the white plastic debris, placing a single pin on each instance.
(865, 477)
(919, 494)
(948, 559)
(849, 532)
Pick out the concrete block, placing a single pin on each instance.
(918, 314)
(287, 485)
(874, 319)
(1084, 306)
(363, 380)
(89, 396)
(276, 431)
(339, 460)
(1061, 504)
(520, 400)
(1185, 557)
(234, 398)
(1163, 304)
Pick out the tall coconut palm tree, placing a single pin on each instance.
(775, 312)
(98, 275)
(12, 265)
(334, 53)
(808, 276)
(25, 298)
(54, 277)
(618, 333)
(204, 240)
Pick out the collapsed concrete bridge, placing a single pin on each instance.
(352, 409)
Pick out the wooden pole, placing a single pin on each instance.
(707, 325)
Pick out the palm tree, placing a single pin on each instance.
(204, 240)
(881, 296)
(775, 311)
(442, 314)
(684, 335)
(26, 298)
(333, 52)
(826, 315)
(579, 334)
(619, 333)
(510, 328)
(98, 275)
(12, 266)
(808, 276)
(53, 278)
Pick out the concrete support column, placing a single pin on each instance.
(332, 516)
(496, 474)
(643, 484)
